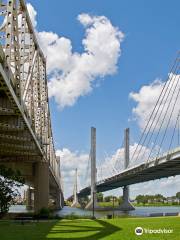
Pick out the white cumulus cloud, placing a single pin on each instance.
(70, 160)
(167, 107)
(73, 74)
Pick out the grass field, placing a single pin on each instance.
(108, 204)
(81, 229)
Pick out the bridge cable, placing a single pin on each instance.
(158, 117)
(117, 162)
(167, 83)
(176, 126)
(166, 112)
(86, 172)
(159, 101)
(170, 117)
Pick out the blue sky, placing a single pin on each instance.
(150, 45)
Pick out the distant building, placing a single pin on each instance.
(172, 200)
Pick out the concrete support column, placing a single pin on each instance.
(41, 186)
(61, 200)
(126, 205)
(93, 170)
(126, 193)
(29, 204)
(75, 200)
(57, 201)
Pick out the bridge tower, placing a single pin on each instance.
(126, 205)
(75, 200)
(93, 200)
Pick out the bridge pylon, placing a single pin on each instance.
(75, 199)
(126, 205)
(93, 200)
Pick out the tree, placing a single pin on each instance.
(99, 197)
(10, 181)
(142, 199)
(120, 200)
(107, 198)
(159, 198)
(110, 198)
(178, 195)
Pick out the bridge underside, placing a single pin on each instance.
(139, 174)
(21, 149)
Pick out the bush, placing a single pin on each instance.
(44, 213)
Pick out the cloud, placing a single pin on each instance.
(72, 74)
(164, 186)
(70, 160)
(147, 97)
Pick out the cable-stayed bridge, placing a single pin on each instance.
(26, 141)
(165, 166)
(155, 156)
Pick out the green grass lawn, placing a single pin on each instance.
(81, 229)
(108, 204)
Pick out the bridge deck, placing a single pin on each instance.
(165, 166)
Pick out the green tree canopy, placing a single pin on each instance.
(178, 195)
(10, 181)
(110, 198)
(100, 197)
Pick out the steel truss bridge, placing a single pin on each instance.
(26, 141)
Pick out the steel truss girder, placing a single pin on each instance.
(6, 111)
(11, 138)
(19, 158)
(10, 127)
(23, 80)
(13, 152)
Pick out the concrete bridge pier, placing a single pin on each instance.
(61, 200)
(41, 186)
(29, 202)
(75, 202)
(126, 205)
(58, 201)
(75, 199)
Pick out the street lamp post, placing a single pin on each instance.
(113, 206)
(93, 206)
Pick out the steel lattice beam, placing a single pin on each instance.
(23, 89)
